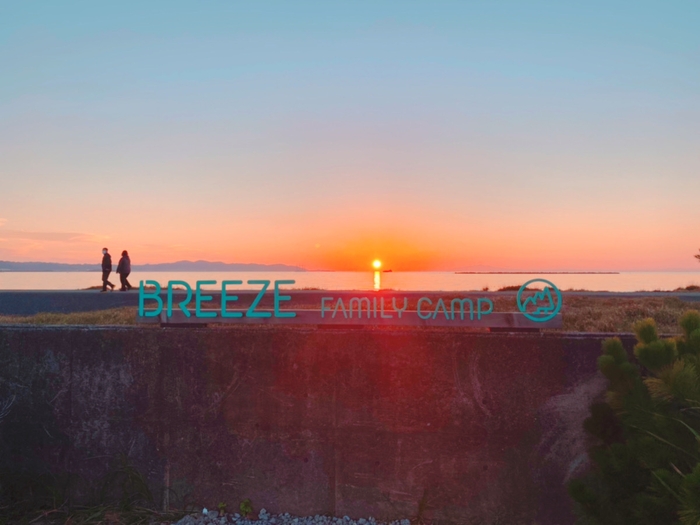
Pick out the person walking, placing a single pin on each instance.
(106, 269)
(124, 269)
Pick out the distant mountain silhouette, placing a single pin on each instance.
(208, 266)
(179, 266)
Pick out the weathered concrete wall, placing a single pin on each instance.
(483, 428)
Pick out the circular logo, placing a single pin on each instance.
(540, 306)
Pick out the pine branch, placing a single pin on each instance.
(674, 493)
(667, 442)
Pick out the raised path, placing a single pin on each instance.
(30, 302)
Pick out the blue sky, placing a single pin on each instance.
(443, 134)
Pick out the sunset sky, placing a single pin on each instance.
(432, 135)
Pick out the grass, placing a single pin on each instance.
(114, 316)
(618, 314)
(102, 515)
(514, 288)
(121, 497)
(580, 314)
(689, 288)
(133, 289)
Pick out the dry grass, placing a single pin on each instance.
(134, 289)
(115, 316)
(101, 515)
(580, 314)
(618, 314)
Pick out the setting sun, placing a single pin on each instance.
(377, 264)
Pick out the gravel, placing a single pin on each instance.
(212, 517)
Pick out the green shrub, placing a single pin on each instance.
(647, 453)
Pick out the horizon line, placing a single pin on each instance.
(298, 268)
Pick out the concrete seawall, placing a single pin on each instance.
(475, 428)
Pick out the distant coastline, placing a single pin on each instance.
(541, 273)
(178, 266)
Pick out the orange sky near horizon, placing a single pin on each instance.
(441, 242)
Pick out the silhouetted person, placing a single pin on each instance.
(106, 269)
(124, 269)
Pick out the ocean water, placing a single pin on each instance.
(404, 281)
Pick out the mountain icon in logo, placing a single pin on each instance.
(540, 306)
